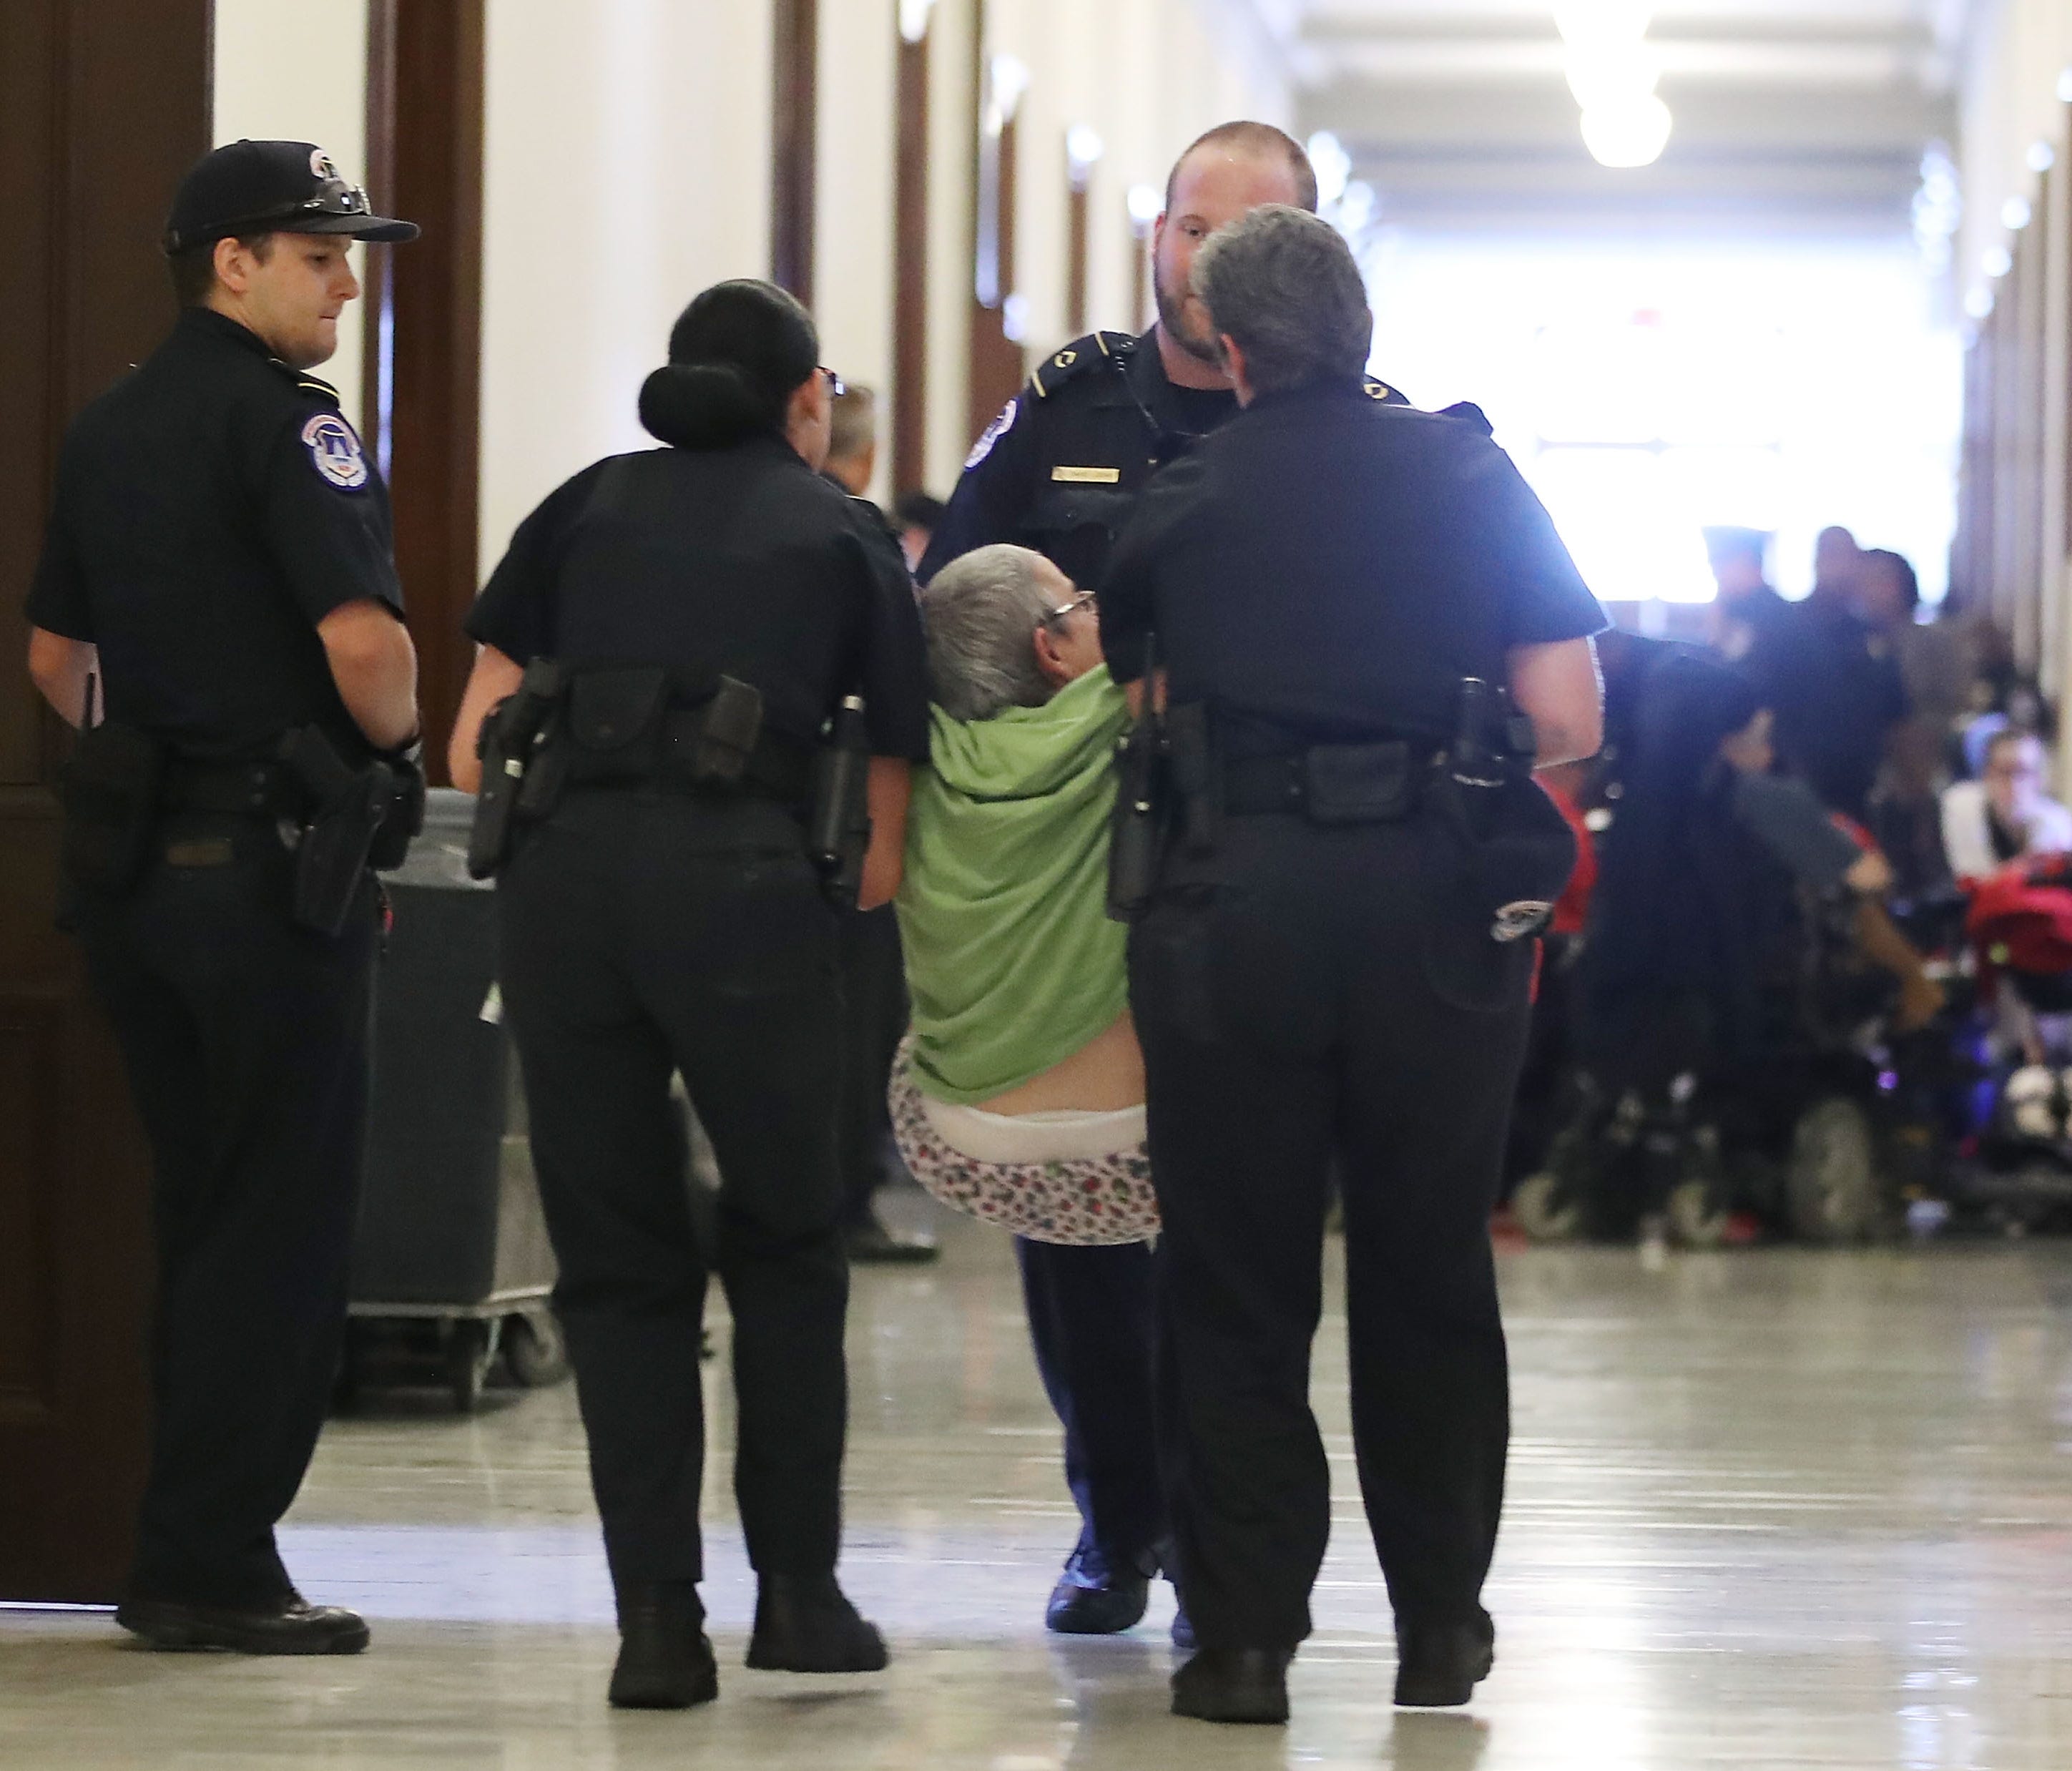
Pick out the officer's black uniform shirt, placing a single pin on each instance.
(1333, 565)
(211, 508)
(1060, 469)
(739, 562)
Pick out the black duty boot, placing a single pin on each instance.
(1234, 1685)
(1094, 1598)
(805, 1623)
(289, 1625)
(664, 1660)
(1438, 1666)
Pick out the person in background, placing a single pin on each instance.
(915, 518)
(875, 1005)
(1832, 683)
(1749, 609)
(1838, 561)
(2006, 814)
(1935, 671)
(853, 454)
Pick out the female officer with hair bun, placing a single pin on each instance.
(706, 608)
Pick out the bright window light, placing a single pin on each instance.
(1648, 392)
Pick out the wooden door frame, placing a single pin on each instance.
(83, 203)
(422, 387)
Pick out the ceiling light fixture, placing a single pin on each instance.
(1614, 74)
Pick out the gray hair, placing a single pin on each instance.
(1283, 285)
(981, 612)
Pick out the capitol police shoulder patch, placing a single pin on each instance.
(335, 452)
(992, 434)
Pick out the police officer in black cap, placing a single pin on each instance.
(1333, 965)
(662, 645)
(1058, 471)
(217, 610)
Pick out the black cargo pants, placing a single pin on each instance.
(246, 1040)
(1317, 992)
(644, 933)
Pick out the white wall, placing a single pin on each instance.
(626, 165)
(298, 73)
(2014, 119)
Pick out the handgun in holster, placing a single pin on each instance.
(517, 779)
(838, 822)
(346, 808)
(1135, 826)
(406, 817)
(1521, 850)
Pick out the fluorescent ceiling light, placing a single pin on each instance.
(1631, 133)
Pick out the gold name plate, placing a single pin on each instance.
(1088, 476)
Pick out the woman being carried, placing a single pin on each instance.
(1021, 1098)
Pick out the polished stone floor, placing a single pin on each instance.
(1774, 1508)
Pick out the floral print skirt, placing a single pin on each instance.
(1086, 1202)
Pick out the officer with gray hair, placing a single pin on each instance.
(1369, 634)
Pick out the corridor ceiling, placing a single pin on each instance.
(1791, 115)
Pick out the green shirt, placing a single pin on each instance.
(1011, 960)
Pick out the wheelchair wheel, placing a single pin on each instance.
(1545, 1210)
(534, 1348)
(1697, 1215)
(1832, 1193)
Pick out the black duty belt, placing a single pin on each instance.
(256, 789)
(779, 767)
(1334, 783)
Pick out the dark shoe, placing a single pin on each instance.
(1438, 1666)
(1093, 1599)
(288, 1626)
(1183, 1631)
(805, 1623)
(664, 1660)
(1233, 1685)
(870, 1243)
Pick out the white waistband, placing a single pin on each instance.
(1034, 1137)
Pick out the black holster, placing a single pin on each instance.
(406, 817)
(1519, 849)
(838, 821)
(348, 808)
(112, 785)
(516, 782)
(1134, 825)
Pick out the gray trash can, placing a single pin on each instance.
(450, 1235)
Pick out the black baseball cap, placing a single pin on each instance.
(288, 186)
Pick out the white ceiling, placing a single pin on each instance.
(1791, 115)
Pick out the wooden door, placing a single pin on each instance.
(103, 104)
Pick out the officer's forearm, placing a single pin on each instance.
(1557, 687)
(890, 786)
(59, 667)
(375, 666)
